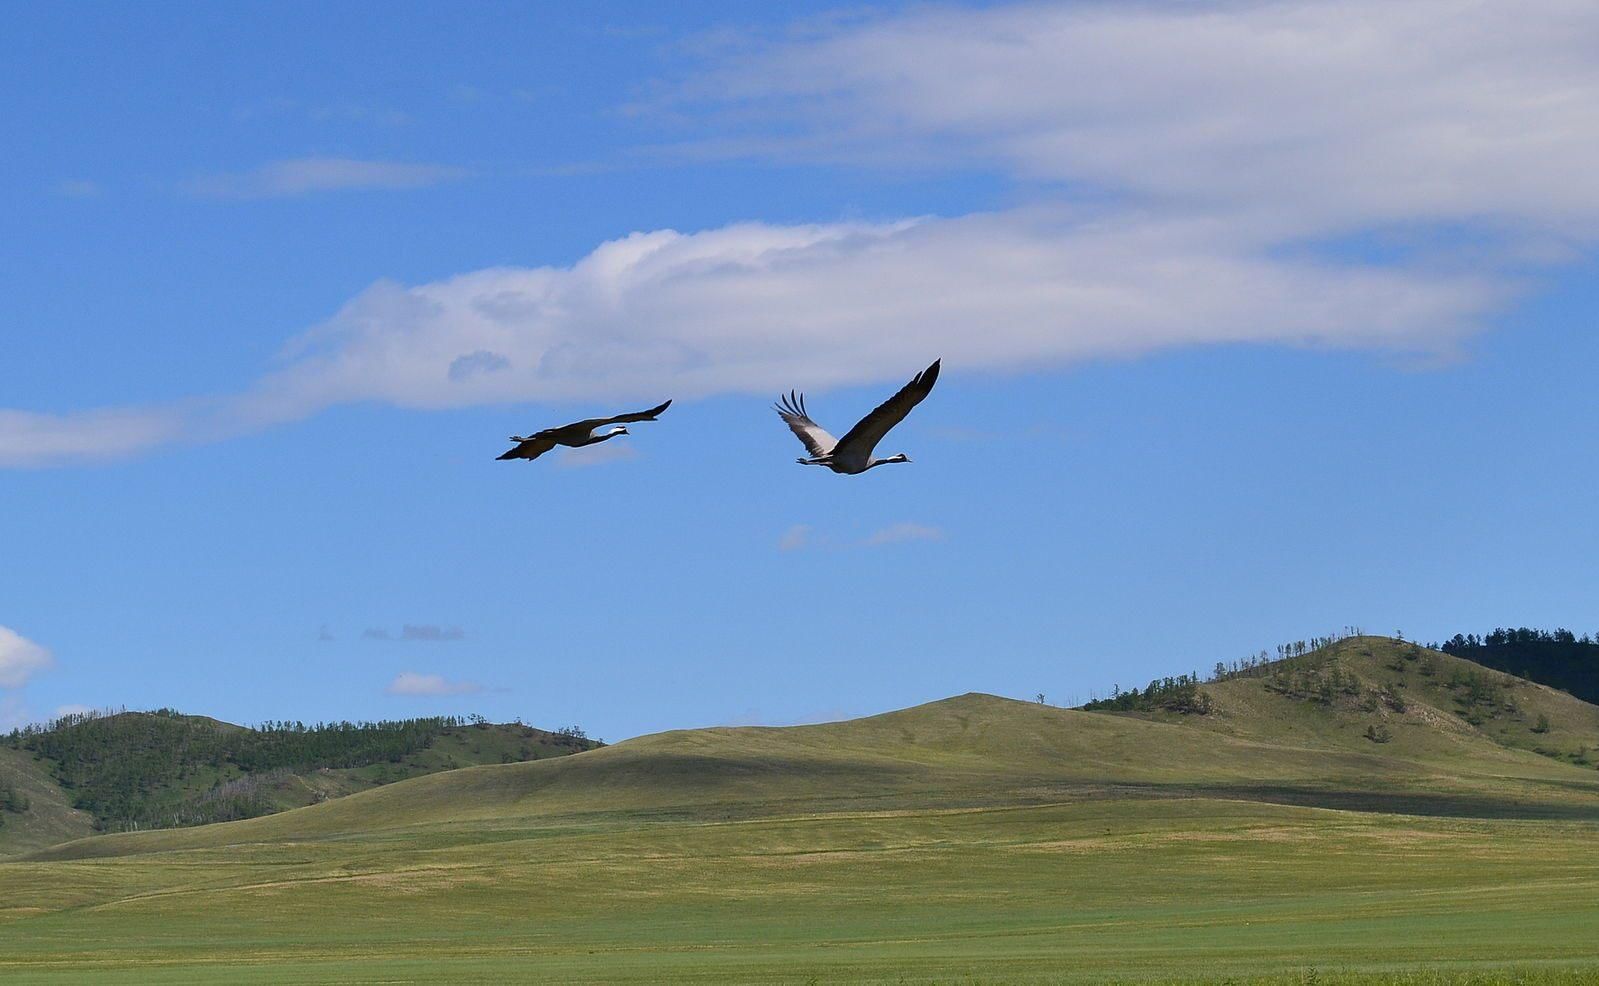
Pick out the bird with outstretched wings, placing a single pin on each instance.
(577, 434)
(853, 453)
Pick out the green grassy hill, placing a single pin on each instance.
(49, 818)
(973, 839)
(1419, 704)
(139, 770)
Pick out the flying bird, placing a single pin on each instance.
(576, 434)
(853, 453)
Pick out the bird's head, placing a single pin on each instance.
(518, 439)
(619, 430)
(898, 457)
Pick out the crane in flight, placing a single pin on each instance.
(577, 434)
(853, 453)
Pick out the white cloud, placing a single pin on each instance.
(412, 683)
(29, 439)
(905, 531)
(302, 176)
(472, 364)
(796, 537)
(20, 659)
(756, 308)
(1319, 114)
(1212, 153)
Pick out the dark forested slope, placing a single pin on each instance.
(135, 770)
(1559, 658)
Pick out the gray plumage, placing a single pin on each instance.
(853, 453)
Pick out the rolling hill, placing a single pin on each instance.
(142, 770)
(976, 836)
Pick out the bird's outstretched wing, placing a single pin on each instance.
(580, 429)
(649, 415)
(529, 448)
(577, 431)
(792, 410)
(870, 430)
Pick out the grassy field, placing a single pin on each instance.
(976, 840)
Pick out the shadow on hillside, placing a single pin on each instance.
(1405, 802)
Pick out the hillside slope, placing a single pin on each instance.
(980, 750)
(136, 770)
(1375, 694)
(49, 818)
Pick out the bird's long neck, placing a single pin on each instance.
(596, 439)
(883, 462)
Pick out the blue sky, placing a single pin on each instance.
(1258, 320)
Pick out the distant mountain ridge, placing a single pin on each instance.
(140, 770)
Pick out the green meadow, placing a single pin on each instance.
(974, 840)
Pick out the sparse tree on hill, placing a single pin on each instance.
(11, 799)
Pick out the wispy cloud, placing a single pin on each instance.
(303, 176)
(1211, 153)
(413, 683)
(905, 531)
(416, 632)
(430, 633)
(802, 537)
(1324, 116)
(30, 439)
(20, 659)
(837, 304)
(796, 537)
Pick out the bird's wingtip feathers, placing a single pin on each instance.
(791, 405)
